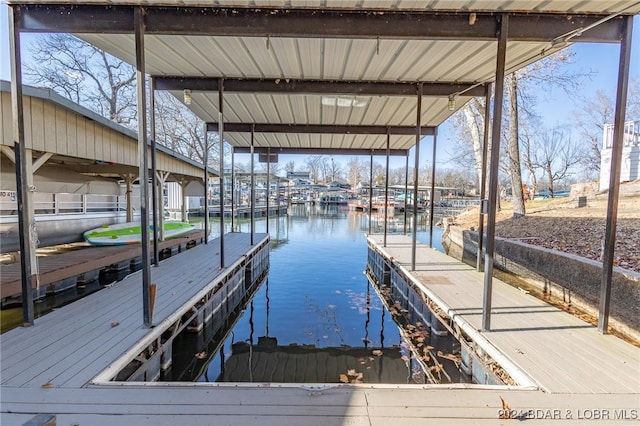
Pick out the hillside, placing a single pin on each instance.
(559, 224)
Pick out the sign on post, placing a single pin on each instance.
(272, 158)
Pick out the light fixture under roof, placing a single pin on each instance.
(187, 96)
(344, 101)
(452, 102)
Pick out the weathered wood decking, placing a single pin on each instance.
(561, 353)
(67, 372)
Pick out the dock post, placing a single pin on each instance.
(205, 161)
(154, 184)
(143, 162)
(614, 176)
(414, 219)
(406, 189)
(386, 189)
(268, 184)
(433, 187)
(253, 187)
(26, 220)
(493, 176)
(370, 188)
(221, 155)
(233, 187)
(483, 175)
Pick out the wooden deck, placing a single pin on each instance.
(74, 263)
(49, 368)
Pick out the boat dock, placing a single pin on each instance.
(63, 367)
(547, 347)
(63, 270)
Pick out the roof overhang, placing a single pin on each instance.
(301, 65)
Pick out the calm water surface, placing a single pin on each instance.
(314, 318)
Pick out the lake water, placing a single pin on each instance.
(315, 319)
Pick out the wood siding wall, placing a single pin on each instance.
(50, 127)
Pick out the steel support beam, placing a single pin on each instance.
(329, 129)
(386, 191)
(154, 178)
(493, 175)
(318, 87)
(483, 178)
(205, 160)
(414, 219)
(433, 189)
(406, 189)
(268, 184)
(309, 23)
(614, 177)
(253, 192)
(221, 155)
(233, 187)
(320, 151)
(370, 189)
(26, 220)
(143, 164)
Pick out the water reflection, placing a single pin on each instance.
(316, 319)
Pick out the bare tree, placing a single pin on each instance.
(513, 148)
(180, 130)
(470, 125)
(333, 170)
(528, 158)
(520, 105)
(378, 173)
(396, 176)
(557, 154)
(272, 168)
(314, 163)
(355, 171)
(592, 117)
(290, 167)
(105, 84)
(84, 74)
(594, 114)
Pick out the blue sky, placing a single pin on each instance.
(555, 107)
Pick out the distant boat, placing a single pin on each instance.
(130, 233)
(337, 199)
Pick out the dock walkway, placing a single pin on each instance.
(50, 368)
(559, 352)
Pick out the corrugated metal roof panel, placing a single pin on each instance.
(403, 60)
(319, 59)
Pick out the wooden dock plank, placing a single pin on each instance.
(105, 353)
(521, 323)
(563, 353)
(199, 402)
(46, 352)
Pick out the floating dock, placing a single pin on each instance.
(62, 367)
(61, 271)
(539, 344)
